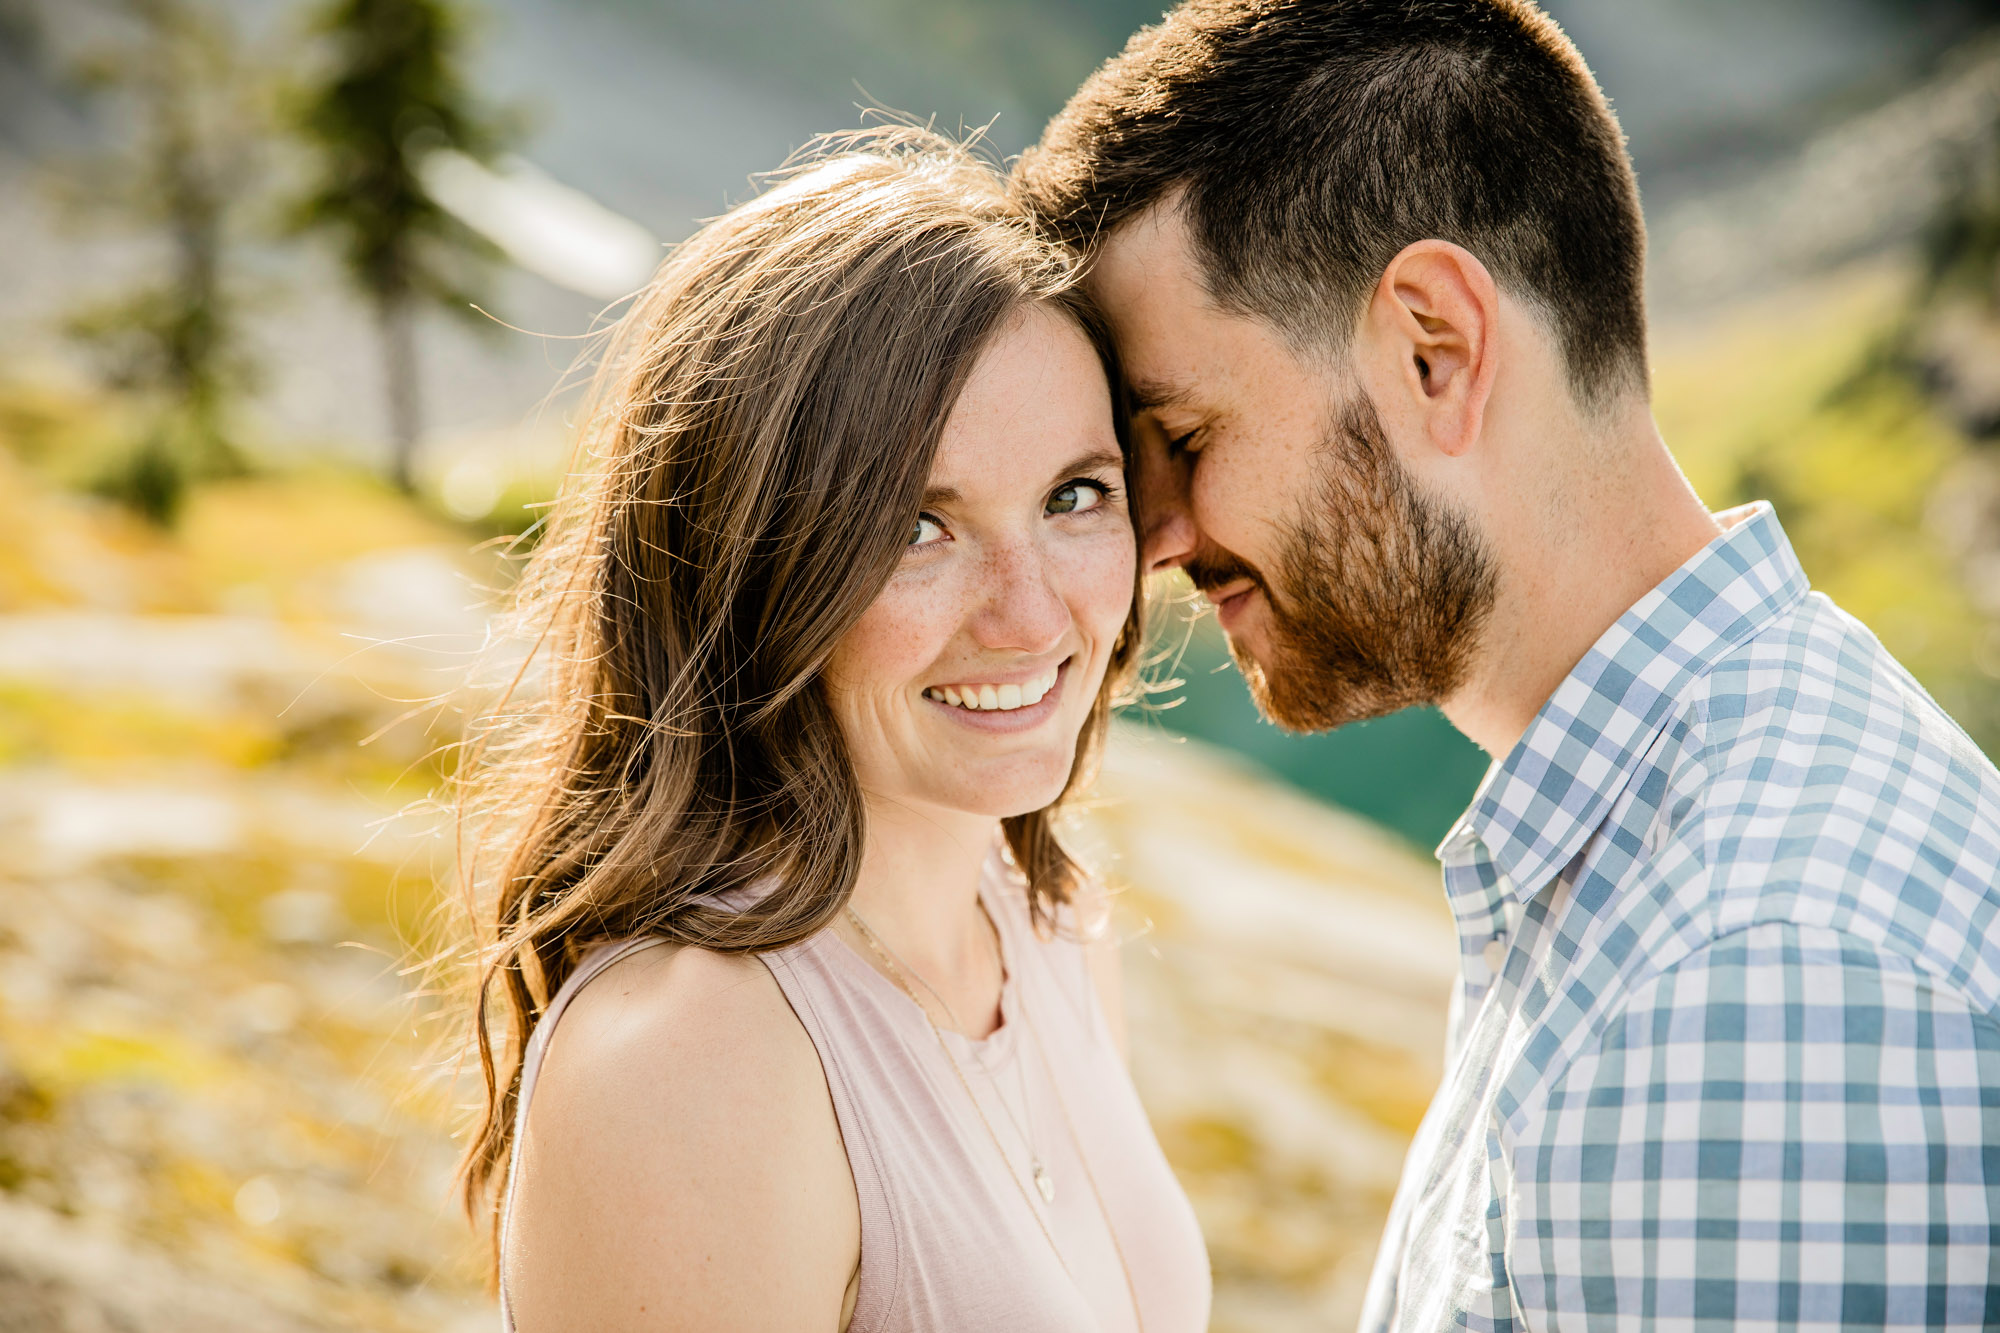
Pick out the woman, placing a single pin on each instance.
(834, 624)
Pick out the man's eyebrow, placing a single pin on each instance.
(1152, 395)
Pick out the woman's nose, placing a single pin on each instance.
(1021, 608)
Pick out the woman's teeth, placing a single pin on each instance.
(994, 698)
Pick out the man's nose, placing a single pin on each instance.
(1167, 535)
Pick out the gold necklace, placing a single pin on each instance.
(1045, 1184)
(896, 970)
(1089, 1176)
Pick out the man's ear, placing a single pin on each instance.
(1437, 311)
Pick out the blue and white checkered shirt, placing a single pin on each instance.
(1726, 1055)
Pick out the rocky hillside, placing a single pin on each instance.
(214, 1107)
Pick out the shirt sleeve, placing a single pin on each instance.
(1789, 1129)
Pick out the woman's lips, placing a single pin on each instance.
(989, 697)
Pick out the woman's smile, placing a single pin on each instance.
(1009, 706)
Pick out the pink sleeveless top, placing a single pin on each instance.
(949, 1243)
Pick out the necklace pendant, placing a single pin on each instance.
(1045, 1183)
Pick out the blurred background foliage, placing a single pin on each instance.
(256, 445)
(169, 344)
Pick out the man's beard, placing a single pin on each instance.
(1377, 595)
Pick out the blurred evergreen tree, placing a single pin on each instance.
(392, 92)
(180, 79)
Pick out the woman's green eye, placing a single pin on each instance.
(925, 531)
(1075, 497)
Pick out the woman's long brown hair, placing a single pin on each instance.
(763, 426)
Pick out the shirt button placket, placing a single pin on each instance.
(1494, 954)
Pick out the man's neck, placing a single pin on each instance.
(1570, 571)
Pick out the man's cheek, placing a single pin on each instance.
(1232, 511)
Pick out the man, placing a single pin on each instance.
(1726, 1051)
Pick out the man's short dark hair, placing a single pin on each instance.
(1314, 139)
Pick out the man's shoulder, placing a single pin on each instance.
(1812, 665)
(1835, 793)
(1813, 707)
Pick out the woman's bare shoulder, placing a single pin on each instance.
(669, 999)
(674, 1034)
(681, 1153)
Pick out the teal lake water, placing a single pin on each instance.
(1412, 771)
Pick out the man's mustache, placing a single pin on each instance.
(1218, 570)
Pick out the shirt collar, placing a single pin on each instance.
(1535, 811)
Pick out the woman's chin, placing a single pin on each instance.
(1004, 799)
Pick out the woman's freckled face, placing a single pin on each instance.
(1020, 567)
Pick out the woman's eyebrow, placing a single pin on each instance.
(1097, 460)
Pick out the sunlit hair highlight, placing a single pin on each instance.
(764, 422)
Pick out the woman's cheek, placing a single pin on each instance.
(896, 639)
(1100, 572)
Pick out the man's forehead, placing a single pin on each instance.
(1158, 309)
(1146, 255)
